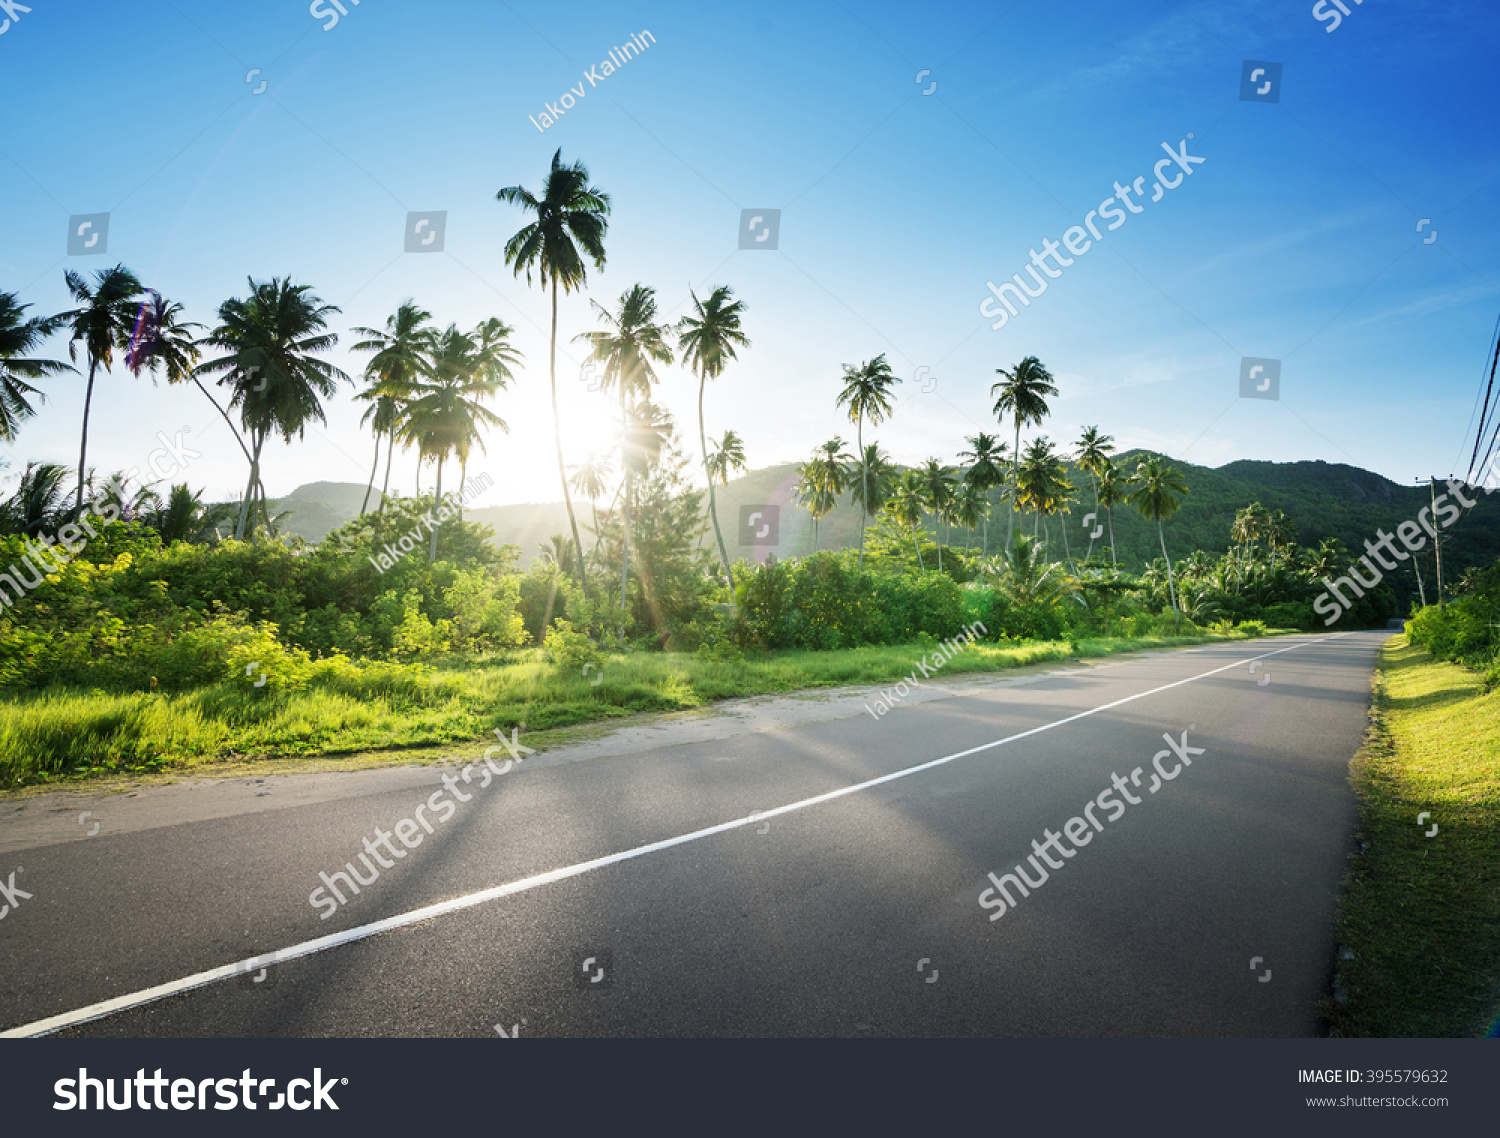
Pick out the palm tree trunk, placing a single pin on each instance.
(713, 508)
(1176, 620)
(374, 466)
(1067, 551)
(83, 442)
(239, 527)
(209, 396)
(917, 546)
(562, 470)
(864, 476)
(436, 502)
(625, 531)
(1015, 482)
(385, 486)
(985, 550)
(1087, 556)
(1109, 510)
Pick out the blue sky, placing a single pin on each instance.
(1295, 240)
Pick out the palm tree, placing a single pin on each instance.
(103, 321)
(591, 479)
(907, 503)
(39, 504)
(558, 552)
(871, 481)
(867, 394)
(1044, 485)
(163, 342)
(1022, 394)
(402, 353)
(1281, 533)
(18, 338)
(970, 507)
(628, 346)
(1093, 452)
(1156, 491)
(984, 473)
(1024, 576)
(821, 481)
(938, 486)
(272, 338)
(1110, 491)
(570, 214)
(726, 457)
(708, 340)
(184, 517)
(1329, 558)
(446, 412)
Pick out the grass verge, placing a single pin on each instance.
(1421, 915)
(68, 733)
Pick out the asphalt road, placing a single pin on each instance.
(855, 915)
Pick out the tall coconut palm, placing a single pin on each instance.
(970, 507)
(1022, 395)
(871, 479)
(491, 368)
(1156, 491)
(571, 220)
(591, 479)
(867, 395)
(402, 352)
(1110, 491)
(938, 485)
(162, 342)
(272, 339)
(19, 337)
(821, 481)
(102, 323)
(907, 503)
(984, 473)
(628, 346)
(1044, 485)
(446, 413)
(726, 456)
(1093, 451)
(708, 339)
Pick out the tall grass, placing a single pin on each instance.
(62, 733)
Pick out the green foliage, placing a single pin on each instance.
(571, 650)
(826, 601)
(1467, 628)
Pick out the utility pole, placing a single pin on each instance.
(1437, 539)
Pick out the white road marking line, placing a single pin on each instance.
(307, 948)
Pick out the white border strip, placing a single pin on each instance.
(307, 948)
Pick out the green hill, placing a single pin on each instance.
(1322, 499)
